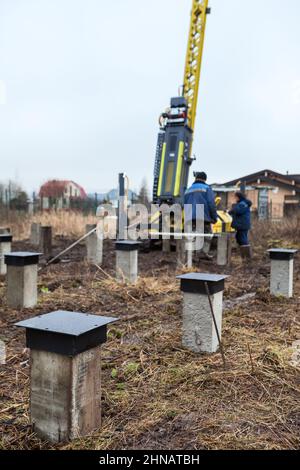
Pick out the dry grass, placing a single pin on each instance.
(284, 233)
(156, 394)
(64, 223)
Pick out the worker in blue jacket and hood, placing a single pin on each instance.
(241, 215)
(201, 195)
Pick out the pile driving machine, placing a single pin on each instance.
(174, 158)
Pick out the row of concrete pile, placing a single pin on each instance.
(41, 237)
(65, 399)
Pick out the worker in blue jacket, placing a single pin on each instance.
(241, 215)
(201, 195)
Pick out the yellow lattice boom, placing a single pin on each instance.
(194, 57)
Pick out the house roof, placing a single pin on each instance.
(56, 188)
(294, 177)
(277, 183)
(291, 182)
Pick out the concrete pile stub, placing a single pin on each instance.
(35, 234)
(166, 246)
(4, 230)
(5, 248)
(189, 248)
(127, 261)
(46, 241)
(65, 387)
(22, 270)
(199, 332)
(224, 250)
(282, 271)
(94, 245)
(181, 253)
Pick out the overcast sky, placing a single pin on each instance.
(82, 83)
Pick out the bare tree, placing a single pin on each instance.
(13, 195)
(143, 196)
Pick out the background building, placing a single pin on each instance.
(60, 194)
(274, 195)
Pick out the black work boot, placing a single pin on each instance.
(246, 252)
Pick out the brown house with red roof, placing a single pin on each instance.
(59, 194)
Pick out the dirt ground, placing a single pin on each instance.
(156, 394)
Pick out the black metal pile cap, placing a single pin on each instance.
(22, 258)
(195, 283)
(6, 237)
(127, 245)
(66, 333)
(282, 254)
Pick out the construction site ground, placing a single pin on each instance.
(156, 394)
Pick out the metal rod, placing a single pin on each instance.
(68, 249)
(184, 235)
(215, 323)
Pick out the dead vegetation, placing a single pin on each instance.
(157, 395)
(64, 223)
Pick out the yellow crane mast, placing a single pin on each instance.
(175, 140)
(174, 147)
(194, 55)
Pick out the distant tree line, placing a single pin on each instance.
(13, 196)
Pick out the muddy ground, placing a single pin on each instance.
(156, 394)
